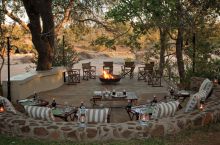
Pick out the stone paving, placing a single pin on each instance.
(83, 91)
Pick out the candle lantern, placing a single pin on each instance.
(82, 116)
(202, 105)
(2, 109)
(143, 117)
(215, 81)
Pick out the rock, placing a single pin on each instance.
(72, 135)
(208, 119)
(66, 128)
(197, 120)
(52, 127)
(25, 129)
(126, 133)
(91, 133)
(19, 122)
(54, 135)
(115, 133)
(158, 130)
(40, 131)
(180, 124)
(106, 129)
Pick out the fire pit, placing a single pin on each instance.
(109, 78)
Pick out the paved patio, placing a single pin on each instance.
(83, 91)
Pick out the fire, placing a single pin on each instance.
(107, 75)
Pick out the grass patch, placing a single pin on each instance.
(200, 136)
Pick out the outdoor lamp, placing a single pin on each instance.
(2, 109)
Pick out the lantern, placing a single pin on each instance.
(82, 116)
(202, 105)
(215, 81)
(143, 117)
(2, 109)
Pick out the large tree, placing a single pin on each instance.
(54, 15)
(41, 26)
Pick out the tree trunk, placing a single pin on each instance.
(163, 46)
(179, 41)
(179, 54)
(42, 33)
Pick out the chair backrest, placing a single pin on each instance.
(7, 105)
(36, 112)
(149, 67)
(165, 109)
(108, 63)
(86, 65)
(193, 100)
(97, 115)
(129, 64)
(206, 86)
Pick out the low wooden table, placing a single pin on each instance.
(64, 112)
(137, 110)
(33, 102)
(102, 96)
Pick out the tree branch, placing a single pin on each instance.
(13, 17)
(98, 22)
(66, 17)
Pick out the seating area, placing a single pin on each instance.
(144, 109)
(147, 73)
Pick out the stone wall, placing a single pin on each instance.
(21, 125)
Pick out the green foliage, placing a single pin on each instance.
(103, 40)
(64, 55)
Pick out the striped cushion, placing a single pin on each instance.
(7, 105)
(97, 115)
(191, 104)
(39, 112)
(207, 86)
(165, 109)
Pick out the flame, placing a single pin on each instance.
(107, 75)
(201, 107)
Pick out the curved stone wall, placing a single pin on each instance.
(21, 125)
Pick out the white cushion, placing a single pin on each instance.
(36, 112)
(207, 86)
(7, 105)
(165, 109)
(192, 103)
(97, 115)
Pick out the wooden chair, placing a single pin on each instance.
(156, 79)
(108, 67)
(128, 69)
(89, 72)
(73, 76)
(146, 73)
